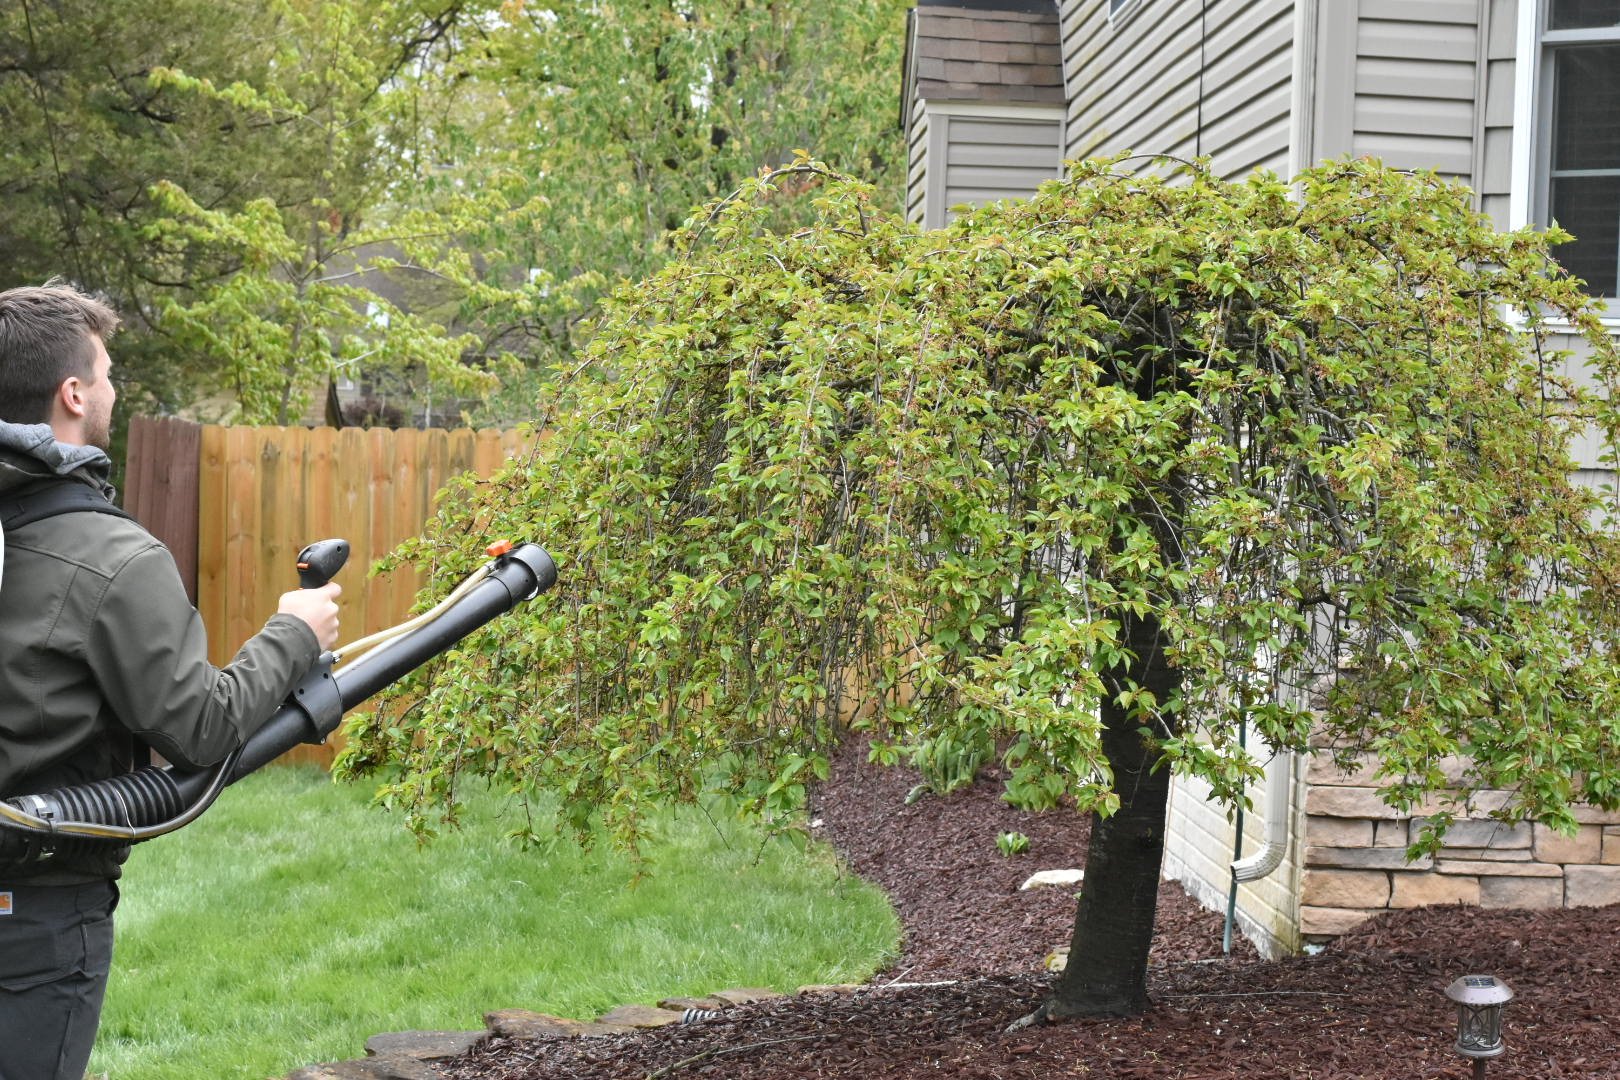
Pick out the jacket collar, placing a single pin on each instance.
(30, 452)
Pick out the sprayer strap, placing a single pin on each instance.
(53, 498)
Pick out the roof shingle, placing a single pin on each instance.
(986, 54)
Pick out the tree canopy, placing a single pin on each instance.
(1097, 479)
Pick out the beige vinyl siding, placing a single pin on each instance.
(1417, 70)
(989, 158)
(975, 154)
(1134, 82)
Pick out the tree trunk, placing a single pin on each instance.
(1107, 970)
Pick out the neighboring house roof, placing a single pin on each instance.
(985, 51)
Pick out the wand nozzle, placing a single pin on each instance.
(319, 562)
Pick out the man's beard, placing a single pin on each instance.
(98, 430)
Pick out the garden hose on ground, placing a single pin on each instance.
(155, 800)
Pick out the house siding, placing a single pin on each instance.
(1134, 82)
(985, 115)
(989, 158)
(1409, 95)
(1200, 843)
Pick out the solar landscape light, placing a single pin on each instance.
(1479, 1001)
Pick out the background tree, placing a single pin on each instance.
(264, 187)
(185, 152)
(606, 123)
(1100, 479)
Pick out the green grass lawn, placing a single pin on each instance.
(293, 921)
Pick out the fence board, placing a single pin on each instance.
(160, 487)
(180, 504)
(212, 544)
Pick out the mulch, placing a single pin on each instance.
(1370, 1006)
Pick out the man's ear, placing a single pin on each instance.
(70, 397)
(68, 407)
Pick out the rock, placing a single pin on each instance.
(1345, 888)
(1330, 922)
(1586, 846)
(743, 995)
(1057, 959)
(390, 1067)
(640, 1016)
(424, 1045)
(681, 1004)
(1042, 878)
(1519, 892)
(524, 1024)
(1421, 890)
(1374, 858)
(1591, 886)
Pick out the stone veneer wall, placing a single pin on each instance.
(1355, 862)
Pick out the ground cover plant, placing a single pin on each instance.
(1099, 481)
(292, 922)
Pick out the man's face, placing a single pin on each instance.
(99, 397)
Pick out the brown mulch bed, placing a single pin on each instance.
(1371, 1006)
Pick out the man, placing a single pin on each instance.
(100, 653)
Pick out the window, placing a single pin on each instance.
(1580, 147)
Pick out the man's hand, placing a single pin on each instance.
(318, 608)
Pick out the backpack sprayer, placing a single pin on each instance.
(158, 799)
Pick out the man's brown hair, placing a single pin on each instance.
(46, 336)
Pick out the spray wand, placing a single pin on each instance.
(158, 799)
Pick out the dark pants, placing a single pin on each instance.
(55, 951)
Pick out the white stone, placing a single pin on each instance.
(1052, 877)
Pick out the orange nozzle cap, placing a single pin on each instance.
(498, 548)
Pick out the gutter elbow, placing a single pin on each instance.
(1279, 784)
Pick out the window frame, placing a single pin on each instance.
(1531, 192)
(1121, 11)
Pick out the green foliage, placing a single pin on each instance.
(428, 191)
(925, 484)
(1012, 843)
(614, 120)
(949, 761)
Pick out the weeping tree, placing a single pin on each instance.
(1099, 480)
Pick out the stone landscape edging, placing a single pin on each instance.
(403, 1055)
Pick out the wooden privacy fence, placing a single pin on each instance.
(247, 499)
(160, 487)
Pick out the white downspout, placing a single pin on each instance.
(1279, 785)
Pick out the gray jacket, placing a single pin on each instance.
(101, 650)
